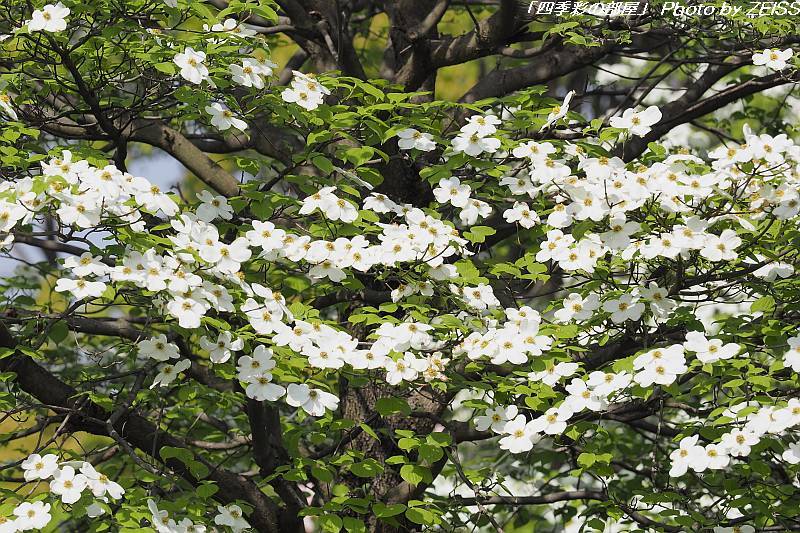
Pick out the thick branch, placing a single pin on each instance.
(162, 136)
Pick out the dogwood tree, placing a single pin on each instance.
(563, 300)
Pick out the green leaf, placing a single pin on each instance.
(330, 523)
(763, 304)
(354, 525)
(368, 468)
(478, 234)
(385, 511)
(420, 516)
(168, 67)
(388, 406)
(415, 474)
(323, 163)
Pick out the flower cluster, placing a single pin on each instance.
(67, 483)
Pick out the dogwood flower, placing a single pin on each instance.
(250, 72)
(51, 18)
(220, 350)
(34, 515)
(522, 214)
(792, 454)
(5, 105)
(414, 139)
(687, 452)
(474, 145)
(558, 112)
(520, 435)
(792, 357)
(709, 351)
(496, 418)
(158, 348)
(637, 122)
(232, 517)
(69, 485)
(772, 58)
(223, 118)
(168, 373)
(577, 307)
(261, 388)
(452, 191)
(738, 442)
(626, 307)
(722, 247)
(39, 467)
(313, 401)
(191, 64)
(100, 484)
(407, 368)
(554, 373)
(86, 265)
(481, 125)
(261, 360)
(81, 288)
(553, 421)
(212, 207)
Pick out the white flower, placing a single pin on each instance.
(773, 59)
(212, 207)
(626, 307)
(168, 373)
(160, 519)
(637, 122)
(411, 138)
(738, 442)
(38, 467)
(86, 265)
(522, 214)
(520, 435)
(735, 529)
(158, 348)
(553, 374)
(577, 307)
(261, 388)
(191, 65)
(5, 105)
(722, 247)
(249, 73)
(223, 118)
(495, 418)
(188, 311)
(452, 191)
(474, 145)
(69, 485)
(481, 125)
(313, 401)
(232, 517)
(34, 515)
(406, 368)
(558, 112)
(80, 288)
(792, 454)
(331, 205)
(687, 452)
(553, 421)
(707, 350)
(227, 257)
(100, 484)
(534, 151)
(249, 366)
(51, 18)
(220, 350)
(474, 210)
